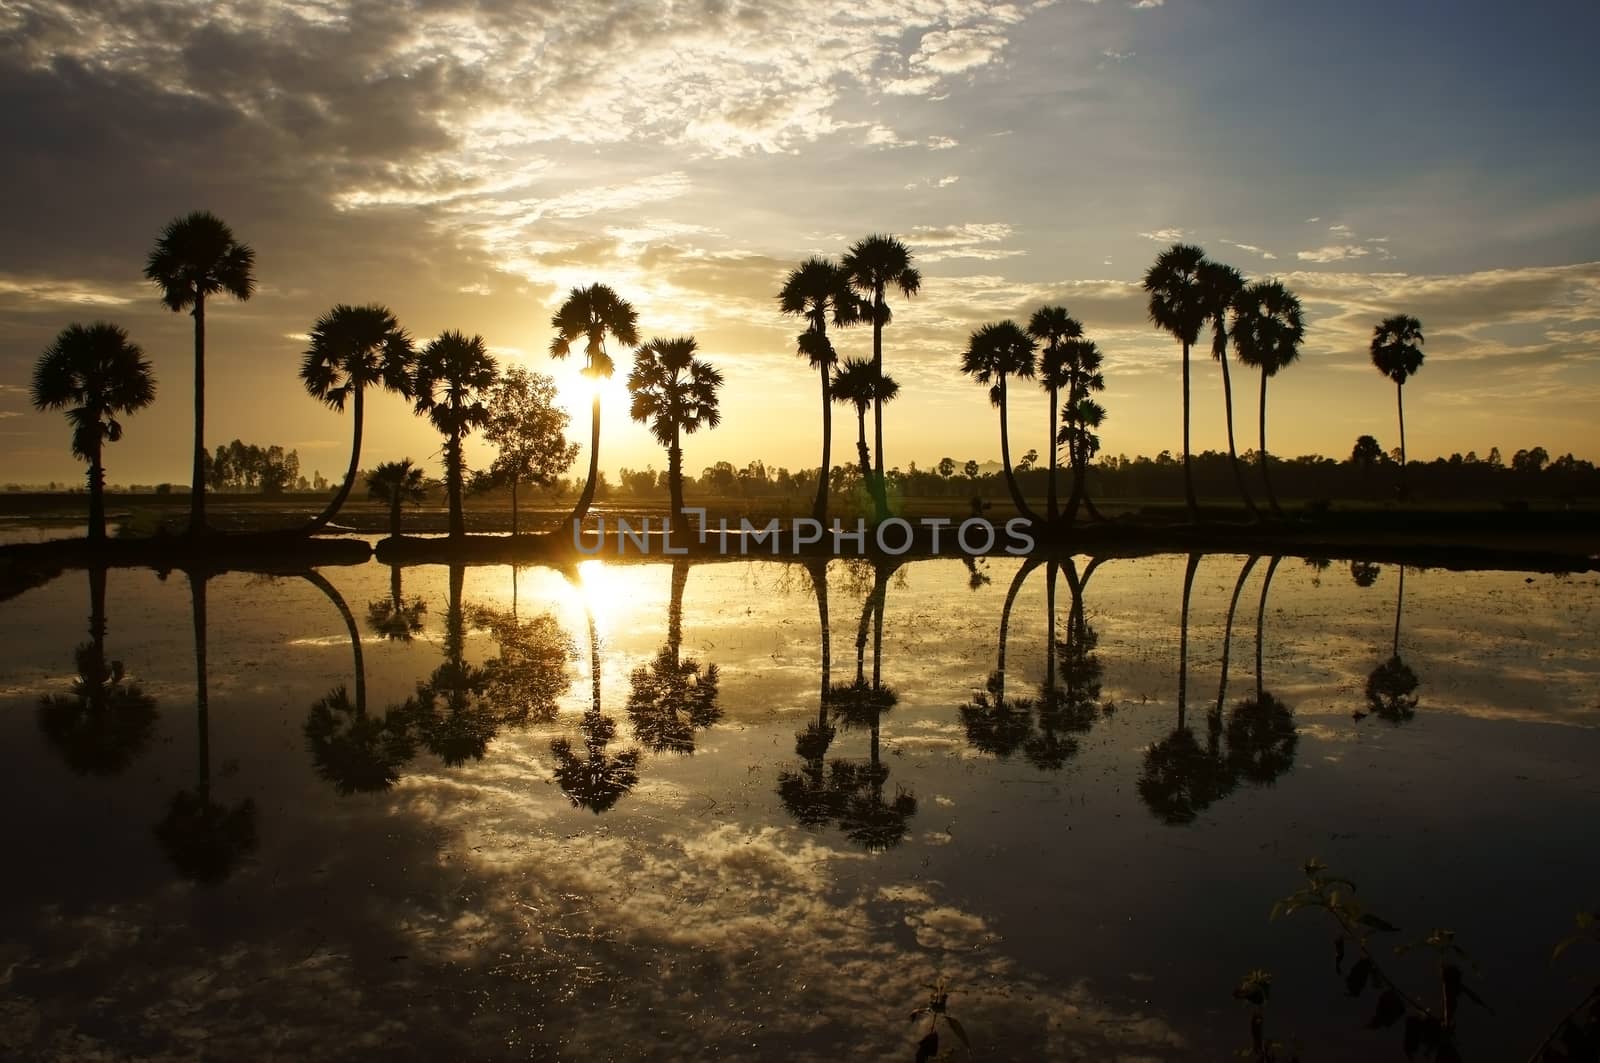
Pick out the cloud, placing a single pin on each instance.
(1164, 236)
(1252, 248)
(1332, 253)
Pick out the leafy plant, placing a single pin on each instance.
(936, 1011)
(1254, 989)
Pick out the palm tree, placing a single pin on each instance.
(396, 618)
(454, 374)
(1081, 416)
(1053, 326)
(858, 383)
(93, 373)
(196, 256)
(354, 348)
(1220, 285)
(675, 393)
(1267, 330)
(994, 352)
(671, 697)
(450, 710)
(590, 314)
(1397, 354)
(395, 483)
(876, 264)
(818, 290)
(1177, 305)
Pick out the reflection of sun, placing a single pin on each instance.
(604, 591)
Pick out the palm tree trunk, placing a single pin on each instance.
(197, 490)
(1227, 631)
(1400, 404)
(879, 485)
(819, 508)
(322, 519)
(1053, 507)
(1183, 638)
(680, 577)
(1027, 566)
(395, 587)
(317, 580)
(452, 462)
(1005, 459)
(1261, 615)
(513, 513)
(819, 583)
(455, 624)
(1188, 468)
(1233, 452)
(97, 614)
(1265, 459)
(1050, 627)
(1399, 600)
(97, 492)
(587, 497)
(197, 599)
(675, 476)
(861, 448)
(1074, 451)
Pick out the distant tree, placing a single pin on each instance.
(1024, 464)
(971, 468)
(196, 256)
(1366, 453)
(819, 291)
(1397, 354)
(859, 384)
(395, 483)
(530, 431)
(947, 467)
(1081, 414)
(875, 264)
(674, 393)
(591, 314)
(1220, 285)
(1530, 461)
(354, 348)
(94, 373)
(1052, 326)
(1177, 305)
(1267, 331)
(453, 377)
(1494, 460)
(994, 352)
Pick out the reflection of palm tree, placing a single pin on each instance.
(1070, 706)
(1392, 686)
(1227, 632)
(671, 698)
(106, 721)
(204, 839)
(450, 712)
(994, 723)
(394, 617)
(525, 683)
(1261, 732)
(805, 792)
(1364, 573)
(354, 751)
(598, 780)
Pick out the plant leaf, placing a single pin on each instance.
(961, 1034)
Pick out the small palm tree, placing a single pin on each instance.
(453, 377)
(875, 264)
(394, 483)
(1081, 415)
(354, 348)
(1267, 330)
(93, 373)
(1177, 305)
(1052, 326)
(994, 352)
(1397, 354)
(675, 393)
(1220, 285)
(818, 290)
(859, 384)
(196, 256)
(591, 314)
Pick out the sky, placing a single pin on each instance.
(467, 163)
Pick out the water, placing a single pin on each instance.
(476, 870)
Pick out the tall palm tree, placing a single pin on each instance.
(1220, 285)
(859, 384)
(1177, 305)
(1052, 326)
(875, 264)
(1267, 330)
(453, 377)
(1081, 416)
(994, 352)
(354, 348)
(196, 256)
(93, 373)
(394, 483)
(675, 393)
(1397, 354)
(819, 291)
(591, 314)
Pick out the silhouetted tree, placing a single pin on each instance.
(1397, 354)
(819, 291)
(591, 314)
(197, 256)
(994, 723)
(1178, 306)
(597, 780)
(395, 617)
(530, 431)
(674, 393)
(994, 352)
(875, 264)
(394, 483)
(453, 376)
(95, 374)
(450, 710)
(1220, 285)
(671, 698)
(354, 348)
(1366, 453)
(1392, 686)
(1051, 326)
(1267, 330)
(1081, 417)
(1261, 733)
(859, 384)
